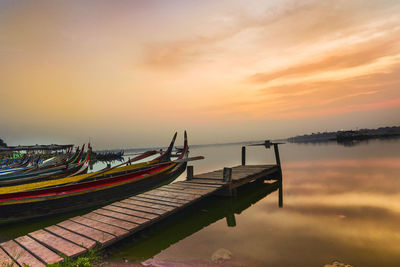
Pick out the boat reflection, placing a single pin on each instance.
(150, 242)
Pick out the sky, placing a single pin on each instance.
(131, 73)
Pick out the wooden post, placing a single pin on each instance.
(280, 196)
(277, 158)
(230, 220)
(227, 174)
(189, 171)
(243, 155)
(267, 143)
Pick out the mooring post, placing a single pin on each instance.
(230, 220)
(277, 158)
(243, 155)
(227, 174)
(280, 194)
(189, 171)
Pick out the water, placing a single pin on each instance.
(340, 203)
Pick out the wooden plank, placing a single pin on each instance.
(171, 197)
(247, 172)
(5, 260)
(104, 219)
(209, 191)
(252, 170)
(177, 195)
(72, 237)
(253, 167)
(20, 255)
(197, 187)
(97, 235)
(183, 187)
(180, 196)
(263, 175)
(155, 201)
(205, 181)
(213, 175)
(114, 230)
(187, 190)
(208, 181)
(131, 212)
(43, 253)
(140, 208)
(121, 216)
(57, 243)
(209, 176)
(148, 204)
(191, 183)
(166, 199)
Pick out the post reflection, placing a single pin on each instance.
(149, 243)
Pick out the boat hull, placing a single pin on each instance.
(19, 211)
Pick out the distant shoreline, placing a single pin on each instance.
(348, 136)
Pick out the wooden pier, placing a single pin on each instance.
(107, 225)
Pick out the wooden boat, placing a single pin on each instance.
(51, 172)
(58, 169)
(81, 191)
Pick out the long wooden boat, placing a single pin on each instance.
(56, 167)
(82, 191)
(49, 173)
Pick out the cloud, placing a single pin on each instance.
(346, 58)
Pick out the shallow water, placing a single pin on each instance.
(340, 203)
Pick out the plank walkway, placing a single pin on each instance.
(111, 223)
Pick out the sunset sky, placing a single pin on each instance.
(130, 73)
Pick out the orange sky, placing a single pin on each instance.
(130, 73)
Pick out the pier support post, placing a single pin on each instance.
(280, 194)
(227, 175)
(230, 220)
(277, 158)
(243, 155)
(189, 170)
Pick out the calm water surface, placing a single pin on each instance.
(339, 204)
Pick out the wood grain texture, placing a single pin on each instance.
(107, 228)
(71, 236)
(121, 216)
(148, 204)
(97, 235)
(156, 201)
(112, 221)
(43, 253)
(5, 259)
(131, 206)
(20, 255)
(57, 243)
(131, 212)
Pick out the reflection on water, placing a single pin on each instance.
(341, 204)
(152, 241)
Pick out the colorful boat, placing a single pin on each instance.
(82, 191)
(48, 170)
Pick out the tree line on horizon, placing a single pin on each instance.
(2, 144)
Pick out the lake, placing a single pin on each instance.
(341, 205)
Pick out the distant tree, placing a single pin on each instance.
(2, 144)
